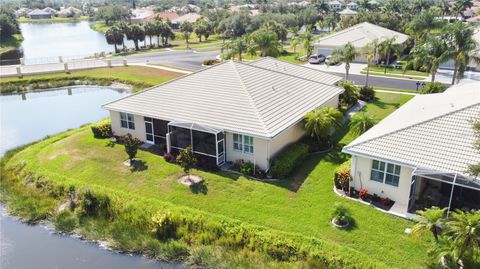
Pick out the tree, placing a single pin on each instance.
(423, 24)
(429, 220)
(474, 169)
(112, 13)
(346, 55)
(430, 54)
(320, 123)
(279, 29)
(114, 37)
(150, 30)
(123, 26)
(202, 28)
(136, 33)
(459, 37)
(388, 46)
(186, 28)
(186, 159)
(294, 42)
(464, 229)
(370, 51)
(460, 5)
(236, 46)
(131, 146)
(8, 26)
(306, 40)
(266, 42)
(361, 122)
(350, 94)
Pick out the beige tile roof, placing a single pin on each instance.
(431, 131)
(233, 96)
(296, 70)
(360, 35)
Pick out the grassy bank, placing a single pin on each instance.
(137, 76)
(99, 26)
(53, 20)
(10, 43)
(258, 224)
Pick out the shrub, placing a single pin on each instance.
(94, 204)
(186, 159)
(367, 93)
(342, 176)
(246, 168)
(65, 221)
(386, 201)
(350, 95)
(340, 214)
(363, 194)
(102, 130)
(432, 87)
(131, 145)
(288, 159)
(210, 62)
(169, 157)
(164, 226)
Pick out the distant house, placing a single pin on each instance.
(165, 16)
(358, 35)
(347, 13)
(352, 6)
(22, 12)
(419, 155)
(141, 15)
(190, 17)
(50, 10)
(230, 111)
(69, 12)
(37, 14)
(335, 5)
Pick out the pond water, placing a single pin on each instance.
(30, 117)
(44, 42)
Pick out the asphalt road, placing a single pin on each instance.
(383, 82)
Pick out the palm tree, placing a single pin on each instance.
(167, 33)
(136, 33)
(236, 46)
(370, 51)
(307, 39)
(186, 28)
(320, 123)
(461, 5)
(388, 46)
(364, 5)
(423, 24)
(150, 30)
(429, 220)
(430, 54)
(266, 42)
(445, 254)
(459, 37)
(444, 7)
(464, 229)
(346, 55)
(123, 26)
(294, 43)
(361, 122)
(114, 37)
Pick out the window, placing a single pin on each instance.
(126, 121)
(385, 173)
(243, 143)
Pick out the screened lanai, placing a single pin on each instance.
(208, 143)
(450, 190)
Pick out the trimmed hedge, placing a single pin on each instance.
(288, 159)
(102, 130)
(342, 175)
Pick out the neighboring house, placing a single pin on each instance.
(22, 12)
(352, 6)
(69, 12)
(335, 5)
(416, 154)
(347, 13)
(230, 111)
(190, 17)
(358, 35)
(37, 14)
(165, 16)
(50, 10)
(141, 15)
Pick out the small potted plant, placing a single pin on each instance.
(340, 216)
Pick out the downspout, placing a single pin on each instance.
(354, 172)
(451, 194)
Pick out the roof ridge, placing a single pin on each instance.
(286, 74)
(164, 83)
(413, 125)
(252, 103)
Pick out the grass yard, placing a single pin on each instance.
(396, 71)
(99, 26)
(53, 20)
(10, 43)
(307, 210)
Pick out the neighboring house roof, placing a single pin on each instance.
(50, 10)
(38, 12)
(348, 11)
(360, 35)
(233, 96)
(432, 131)
(69, 10)
(190, 17)
(296, 70)
(335, 2)
(164, 16)
(141, 13)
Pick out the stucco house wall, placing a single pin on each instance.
(117, 129)
(361, 170)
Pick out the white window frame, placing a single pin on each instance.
(385, 172)
(128, 119)
(243, 144)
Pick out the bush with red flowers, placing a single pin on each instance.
(386, 201)
(363, 194)
(168, 157)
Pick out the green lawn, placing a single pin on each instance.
(53, 20)
(305, 210)
(10, 43)
(394, 89)
(132, 74)
(99, 26)
(381, 74)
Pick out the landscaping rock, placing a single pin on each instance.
(189, 180)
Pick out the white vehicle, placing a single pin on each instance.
(316, 58)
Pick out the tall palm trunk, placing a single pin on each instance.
(455, 71)
(347, 69)
(150, 40)
(135, 41)
(368, 72)
(158, 40)
(387, 61)
(115, 46)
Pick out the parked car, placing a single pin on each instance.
(316, 58)
(330, 61)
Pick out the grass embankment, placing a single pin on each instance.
(137, 76)
(53, 20)
(10, 43)
(77, 159)
(99, 26)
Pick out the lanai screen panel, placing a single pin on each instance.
(180, 137)
(204, 142)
